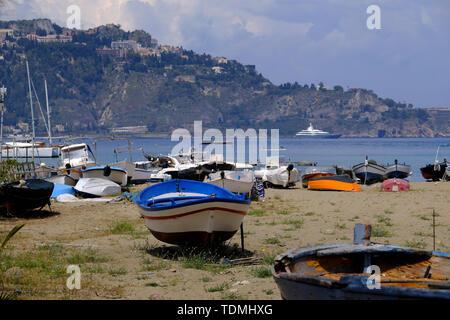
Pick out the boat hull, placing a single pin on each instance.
(42, 152)
(307, 177)
(397, 171)
(35, 195)
(207, 224)
(336, 272)
(317, 136)
(278, 177)
(191, 213)
(95, 187)
(370, 173)
(429, 172)
(62, 179)
(395, 185)
(116, 175)
(333, 183)
(236, 182)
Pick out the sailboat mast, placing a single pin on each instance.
(2, 107)
(48, 114)
(32, 112)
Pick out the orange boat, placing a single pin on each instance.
(334, 183)
(316, 172)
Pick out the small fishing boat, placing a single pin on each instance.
(114, 174)
(280, 176)
(234, 181)
(344, 271)
(397, 170)
(97, 187)
(186, 212)
(434, 171)
(316, 172)
(138, 172)
(333, 183)
(62, 179)
(395, 184)
(25, 195)
(369, 171)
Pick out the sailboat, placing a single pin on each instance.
(31, 148)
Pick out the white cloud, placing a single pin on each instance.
(291, 40)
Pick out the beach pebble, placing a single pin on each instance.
(172, 270)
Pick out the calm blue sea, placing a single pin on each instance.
(416, 152)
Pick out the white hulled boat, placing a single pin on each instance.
(315, 133)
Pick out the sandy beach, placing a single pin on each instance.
(120, 259)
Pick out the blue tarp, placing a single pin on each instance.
(62, 189)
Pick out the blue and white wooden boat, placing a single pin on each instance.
(187, 212)
(114, 174)
(397, 170)
(345, 272)
(369, 172)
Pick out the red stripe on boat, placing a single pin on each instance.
(193, 212)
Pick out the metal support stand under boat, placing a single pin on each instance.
(242, 237)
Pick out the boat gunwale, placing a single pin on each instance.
(198, 200)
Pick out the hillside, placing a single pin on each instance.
(106, 77)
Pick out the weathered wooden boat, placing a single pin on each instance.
(234, 181)
(186, 212)
(97, 187)
(334, 183)
(395, 184)
(117, 175)
(397, 170)
(25, 195)
(369, 171)
(316, 172)
(435, 171)
(345, 271)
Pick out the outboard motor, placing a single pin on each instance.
(107, 171)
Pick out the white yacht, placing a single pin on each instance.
(315, 133)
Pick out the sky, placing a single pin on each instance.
(308, 41)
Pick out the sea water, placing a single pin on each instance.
(416, 152)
